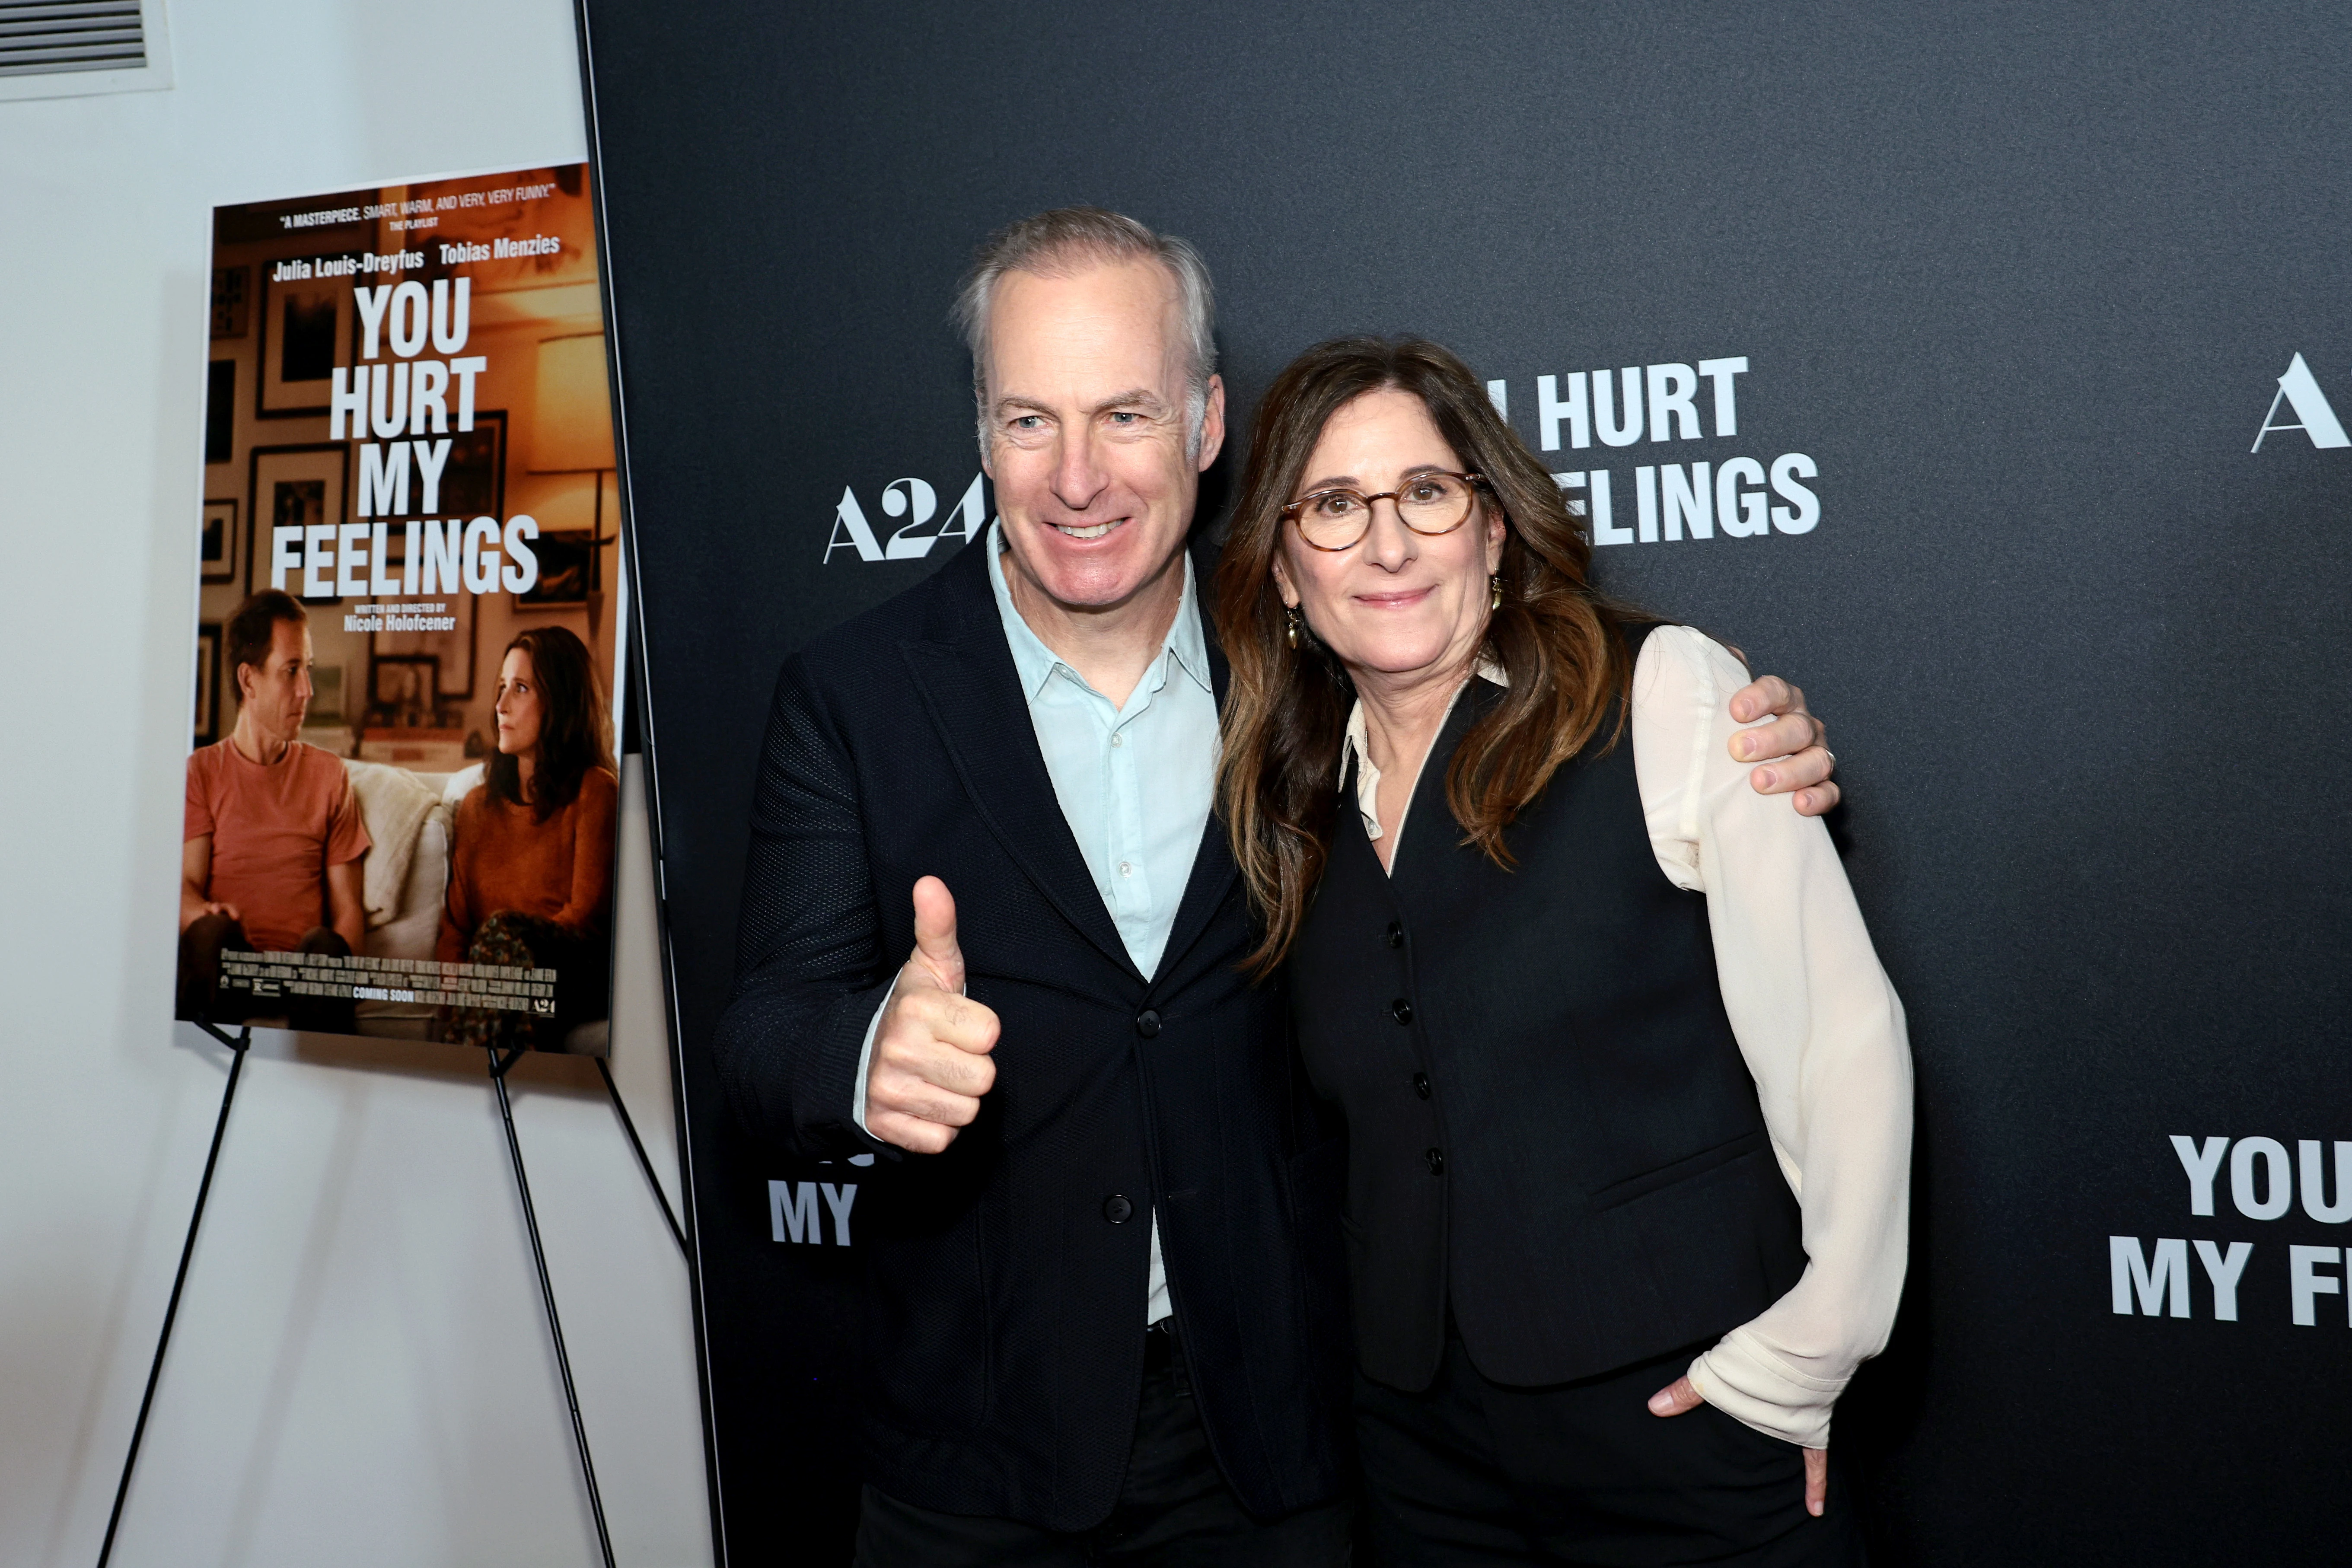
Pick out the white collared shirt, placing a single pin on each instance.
(1818, 1022)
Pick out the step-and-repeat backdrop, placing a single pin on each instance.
(1984, 369)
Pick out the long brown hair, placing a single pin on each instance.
(574, 733)
(1561, 643)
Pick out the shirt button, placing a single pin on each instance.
(1395, 934)
(1421, 1084)
(1401, 1010)
(1119, 740)
(1436, 1158)
(1147, 1023)
(1127, 868)
(1116, 1209)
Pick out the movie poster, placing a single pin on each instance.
(402, 782)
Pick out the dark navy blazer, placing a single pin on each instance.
(1005, 1340)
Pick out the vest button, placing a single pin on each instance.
(1436, 1158)
(1395, 934)
(1401, 1010)
(1421, 1084)
(1116, 1209)
(1147, 1024)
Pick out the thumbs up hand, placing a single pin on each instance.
(930, 1055)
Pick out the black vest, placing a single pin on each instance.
(1550, 1130)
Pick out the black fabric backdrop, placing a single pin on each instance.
(2020, 279)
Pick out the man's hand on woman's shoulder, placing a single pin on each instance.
(1793, 751)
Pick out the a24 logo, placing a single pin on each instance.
(2299, 390)
(919, 504)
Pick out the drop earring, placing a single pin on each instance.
(1291, 611)
(1494, 598)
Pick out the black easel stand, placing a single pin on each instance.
(237, 1047)
(643, 1163)
(238, 1043)
(499, 1066)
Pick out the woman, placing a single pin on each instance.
(1593, 1037)
(530, 872)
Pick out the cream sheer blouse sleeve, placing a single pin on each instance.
(1821, 1027)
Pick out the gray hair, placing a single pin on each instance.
(1049, 244)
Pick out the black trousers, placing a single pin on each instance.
(1469, 1472)
(199, 994)
(1174, 1509)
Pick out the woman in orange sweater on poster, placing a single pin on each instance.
(531, 869)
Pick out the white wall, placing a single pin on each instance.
(361, 1373)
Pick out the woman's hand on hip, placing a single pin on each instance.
(1679, 1397)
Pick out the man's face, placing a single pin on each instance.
(1086, 383)
(277, 693)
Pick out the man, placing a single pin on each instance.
(272, 844)
(1108, 1315)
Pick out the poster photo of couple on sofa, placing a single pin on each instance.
(403, 786)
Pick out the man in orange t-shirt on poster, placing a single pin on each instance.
(273, 844)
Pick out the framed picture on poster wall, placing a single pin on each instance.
(400, 688)
(450, 653)
(473, 484)
(220, 411)
(232, 300)
(296, 487)
(222, 560)
(567, 571)
(303, 324)
(474, 479)
(208, 673)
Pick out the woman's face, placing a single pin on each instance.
(519, 710)
(1396, 603)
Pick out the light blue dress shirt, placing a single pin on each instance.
(1134, 784)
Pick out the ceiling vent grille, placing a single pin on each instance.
(64, 48)
(42, 38)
